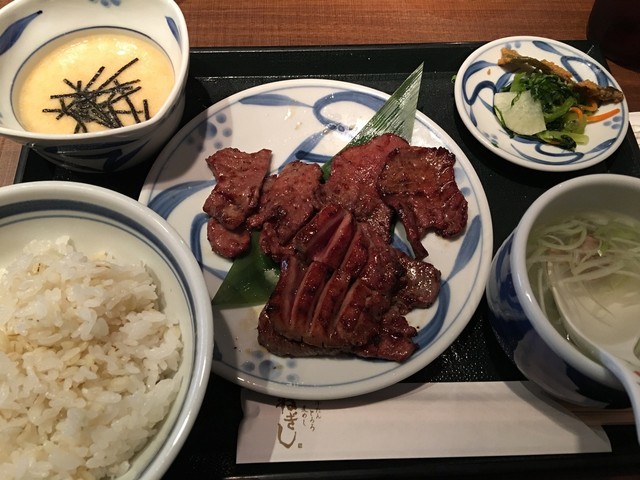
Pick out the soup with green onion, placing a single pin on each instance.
(600, 249)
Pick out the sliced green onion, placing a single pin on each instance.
(601, 250)
(598, 252)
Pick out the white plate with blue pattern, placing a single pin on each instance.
(480, 77)
(312, 120)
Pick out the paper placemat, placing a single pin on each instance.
(465, 419)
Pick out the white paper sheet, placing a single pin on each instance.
(414, 421)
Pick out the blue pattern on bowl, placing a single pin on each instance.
(19, 39)
(533, 357)
(107, 3)
(171, 23)
(12, 33)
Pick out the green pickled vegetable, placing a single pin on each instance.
(563, 139)
(253, 276)
(542, 106)
(554, 94)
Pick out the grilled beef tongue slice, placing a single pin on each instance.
(336, 293)
(352, 183)
(288, 201)
(225, 242)
(419, 184)
(239, 177)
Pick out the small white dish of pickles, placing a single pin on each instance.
(541, 104)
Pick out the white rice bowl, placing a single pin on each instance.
(103, 363)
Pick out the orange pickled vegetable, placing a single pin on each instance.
(602, 116)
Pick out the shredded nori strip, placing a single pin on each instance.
(86, 105)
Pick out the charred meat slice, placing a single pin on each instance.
(393, 341)
(323, 325)
(358, 321)
(340, 301)
(419, 184)
(225, 242)
(306, 275)
(309, 290)
(235, 196)
(239, 178)
(326, 237)
(288, 201)
(280, 304)
(381, 253)
(420, 286)
(352, 183)
(270, 243)
(284, 347)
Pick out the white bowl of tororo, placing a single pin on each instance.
(93, 86)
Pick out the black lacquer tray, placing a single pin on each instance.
(216, 73)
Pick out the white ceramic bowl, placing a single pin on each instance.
(29, 25)
(541, 353)
(98, 219)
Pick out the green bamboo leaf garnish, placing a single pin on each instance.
(252, 277)
(250, 280)
(397, 115)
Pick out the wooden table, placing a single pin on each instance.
(333, 22)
